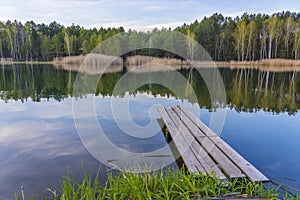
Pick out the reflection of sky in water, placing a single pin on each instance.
(119, 146)
(117, 126)
(270, 142)
(38, 141)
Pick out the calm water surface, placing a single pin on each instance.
(39, 141)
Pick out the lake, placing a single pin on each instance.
(39, 142)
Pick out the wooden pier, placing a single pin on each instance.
(202, 150)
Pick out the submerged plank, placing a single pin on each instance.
(246, 167)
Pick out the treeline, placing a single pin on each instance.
(249, 37)
(30, 42)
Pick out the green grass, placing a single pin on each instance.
(170, 184)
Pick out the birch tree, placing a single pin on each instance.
(67, 41)
(272, 24)
(251, 28)
(297, 39)
(263, 41)
(278, 35)
(191, 39)
(2, 28)
(289, 28)
(9, 35)
(240, 37)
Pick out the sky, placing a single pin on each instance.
(134, 14)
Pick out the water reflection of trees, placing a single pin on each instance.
(252, 90)
(20, 82)
(247, 90)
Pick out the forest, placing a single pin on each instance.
(244, 38)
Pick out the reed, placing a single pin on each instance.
(142, 60)
(69, 60)
(280, 62)
(244, 63)
(267, 62)
(90, 58)
(91, 63)
(134, 61)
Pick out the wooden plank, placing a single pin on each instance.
(208, 164)
(251, 172)
(223, 161)
(207, 131)
(184, 149)
(246, 167)
(187, 155)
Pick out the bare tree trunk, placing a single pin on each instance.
(289, 26)
(16, 57)
(253, 50)
(276, 48)
(263, 44)
(286, 44)
(265, 48)
(11, 43)
(270, 48)
(297, 44)
(238, 53)
(243, 50)
(248, 53)
(1, 49)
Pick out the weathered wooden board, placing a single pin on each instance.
(204, 151)
(208, 164)
(191, 162)
(222, 160)
(246, 167)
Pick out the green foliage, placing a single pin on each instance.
(249, 37)
(42, 42)
(168, 184)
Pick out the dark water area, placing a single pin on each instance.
(39, 141)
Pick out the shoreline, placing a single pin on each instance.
(276, 65)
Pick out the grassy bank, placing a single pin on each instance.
(170, 184)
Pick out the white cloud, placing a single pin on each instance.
(141, 15)
(165, 25)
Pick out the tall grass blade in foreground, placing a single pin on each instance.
(167, 184)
